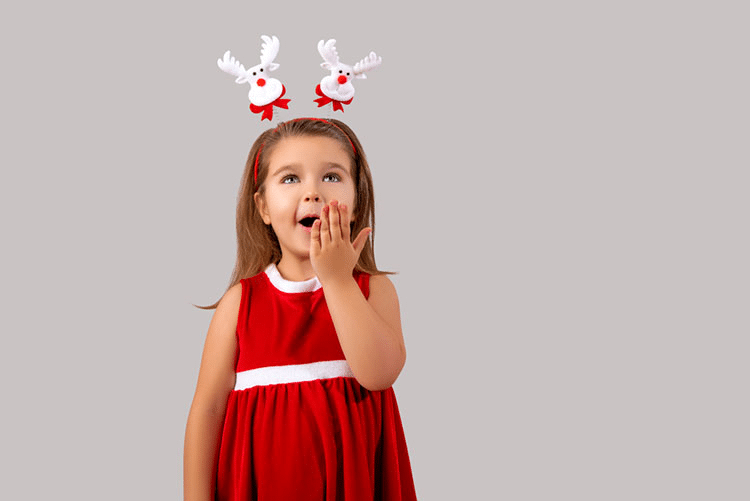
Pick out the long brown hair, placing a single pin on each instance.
(257, 244)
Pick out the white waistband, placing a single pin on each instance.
(292, 373)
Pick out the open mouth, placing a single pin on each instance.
(308, 221)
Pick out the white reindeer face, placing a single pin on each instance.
(343, 73)
(265, 91)
(338, 85)
(264, 88)
(258, 75)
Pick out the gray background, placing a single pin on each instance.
(562, 186)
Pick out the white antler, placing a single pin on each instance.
(268, 52)
(367, 64)
(230, 65)
(328, 52)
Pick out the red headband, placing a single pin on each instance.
(257, 157)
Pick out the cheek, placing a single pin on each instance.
(283, 210)
(278, 205)
(345, 194)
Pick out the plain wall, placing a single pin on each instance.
(562, 187)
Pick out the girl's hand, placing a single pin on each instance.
(332, 254)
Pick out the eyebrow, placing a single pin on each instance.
(329, 165)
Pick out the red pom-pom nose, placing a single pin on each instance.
(261, 82)
(342, 79)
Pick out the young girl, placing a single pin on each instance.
(294, 398)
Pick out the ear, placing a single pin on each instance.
(273, 66)
(260, 204)
(325, 65)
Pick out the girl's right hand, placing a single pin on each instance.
(332, 253)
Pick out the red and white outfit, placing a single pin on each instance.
(298, 425)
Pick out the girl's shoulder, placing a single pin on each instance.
(380, 288)
(382, 284)
(230, 301)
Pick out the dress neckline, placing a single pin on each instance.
(284, 285)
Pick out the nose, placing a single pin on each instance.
(261, 82)
(342, 79)
(312, 197)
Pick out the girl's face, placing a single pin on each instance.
(304, 174)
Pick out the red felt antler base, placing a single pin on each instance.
(267, 109)
(323, 100)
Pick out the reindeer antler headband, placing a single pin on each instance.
(266, 92)
(337, 87)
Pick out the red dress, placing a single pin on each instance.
(298, 425)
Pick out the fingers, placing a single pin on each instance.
(315, 232)
(335, 221)
(325, 231)
(359, 242)
(315, 236)
(333, 225)
(345, 222)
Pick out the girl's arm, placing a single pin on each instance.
(215, 381)
(369, 330)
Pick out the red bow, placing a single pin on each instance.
(267, 109)
(323, 100)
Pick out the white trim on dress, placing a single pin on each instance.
(280, 374)
(285, 285)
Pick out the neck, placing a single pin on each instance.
(295, 270)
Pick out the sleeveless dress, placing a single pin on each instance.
(298, 425)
